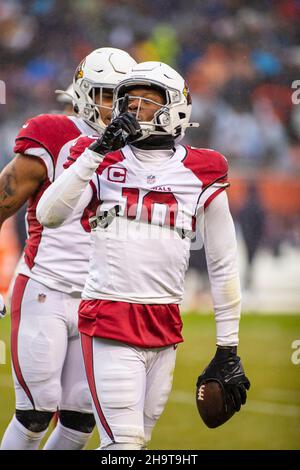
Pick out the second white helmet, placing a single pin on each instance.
(101, 69)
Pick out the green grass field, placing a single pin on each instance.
(271, 418)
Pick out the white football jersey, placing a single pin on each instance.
(144, 221)
(56, 258)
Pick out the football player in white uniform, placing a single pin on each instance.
(148, 198)
(46, 354)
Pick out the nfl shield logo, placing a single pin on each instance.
(151, 179)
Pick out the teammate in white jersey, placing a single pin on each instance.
(148, 199)
(46, 354)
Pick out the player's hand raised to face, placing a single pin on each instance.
(117, 132)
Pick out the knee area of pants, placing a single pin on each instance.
(82, 422)
(156, 403)
(33, 420)
(50, 394)
(77, 397)
(131, 436)
(124, 446)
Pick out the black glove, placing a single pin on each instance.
(113, 137)
(226, 368)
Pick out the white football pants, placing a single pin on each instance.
(129, 386)
(47, 359)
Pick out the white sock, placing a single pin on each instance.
(63, 438)
(17, 437)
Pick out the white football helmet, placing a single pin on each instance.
(102, 68)
(173, 116)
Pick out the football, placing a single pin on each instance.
(212, 404)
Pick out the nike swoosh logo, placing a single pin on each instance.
(25, 125)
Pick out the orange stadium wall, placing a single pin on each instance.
(280, 194)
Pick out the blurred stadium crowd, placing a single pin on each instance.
(240, 59)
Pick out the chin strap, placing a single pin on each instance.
(155, 142)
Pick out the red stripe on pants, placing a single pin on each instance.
(87, 349)
(16, 305)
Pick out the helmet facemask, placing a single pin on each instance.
(155, 125)
(171, 117)
(92, 103)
